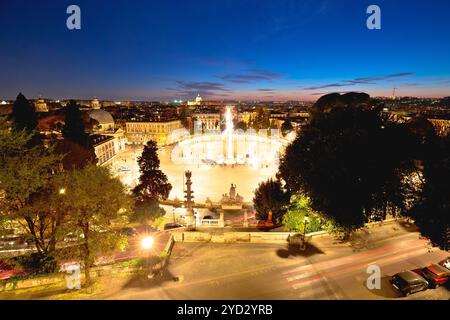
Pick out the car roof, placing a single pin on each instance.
(438, 269)
(409, 276)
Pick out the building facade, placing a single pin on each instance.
(104, 147)
(159, 131)
(207, 121)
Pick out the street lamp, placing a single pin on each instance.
(146, 244)
(305, 222)
(62, 191)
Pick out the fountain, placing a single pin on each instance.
(230, 147)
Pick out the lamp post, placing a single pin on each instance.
(305, 222)
(146, 244)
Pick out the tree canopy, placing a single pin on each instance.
(349, 160)
(432, 212)
(270, 196)
(286, 127)
(153, 183)
(24, 115)
(77, 146)
(94, 199)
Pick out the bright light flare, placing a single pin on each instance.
(147, 242)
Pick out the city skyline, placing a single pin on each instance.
(288, 50)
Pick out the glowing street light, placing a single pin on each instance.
(62, 191)
(147, 242)
(305, 222)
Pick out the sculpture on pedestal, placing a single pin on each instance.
(232, 200)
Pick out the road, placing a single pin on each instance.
(327, 270)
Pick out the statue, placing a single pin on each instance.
(232, 200)
(233, 191)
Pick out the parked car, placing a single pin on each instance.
(8, 271)
(408, 282)
(207, 218)
(14, 242)
(172, 225)
(436, 275)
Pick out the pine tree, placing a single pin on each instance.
(153, 183)
(24, 115)
(270, 196)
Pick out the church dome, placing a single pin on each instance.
(103, 117)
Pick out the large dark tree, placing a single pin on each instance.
(349, 160)
(23, 115)
(432, 211)
(286, 127)
(153, 183)
(76, 146)
(74, 128)
(27, 173)
(270, 196)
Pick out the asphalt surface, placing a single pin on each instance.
(328, 269)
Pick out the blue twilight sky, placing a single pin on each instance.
(223, 49)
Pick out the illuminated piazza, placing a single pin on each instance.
(216, 159)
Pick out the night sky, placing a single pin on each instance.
(236, 49)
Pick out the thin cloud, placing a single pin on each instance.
(356, 81)
(204, 88)
(251, 75)
(266, 90)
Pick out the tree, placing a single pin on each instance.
(431, 212)
(349, 161)
(153, 183)
(76, 156)
(298, 210)
(24, 115)
(241, 125)
(146, 210)
(184, 117)
(94, 199)
(270, 196)
(261, 120)
(26, 173)
(76, 146)
(286, 127)
(74, 129)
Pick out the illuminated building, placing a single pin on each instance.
(41, 105)
(197, 102)
(104, 147)
(158, 131)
